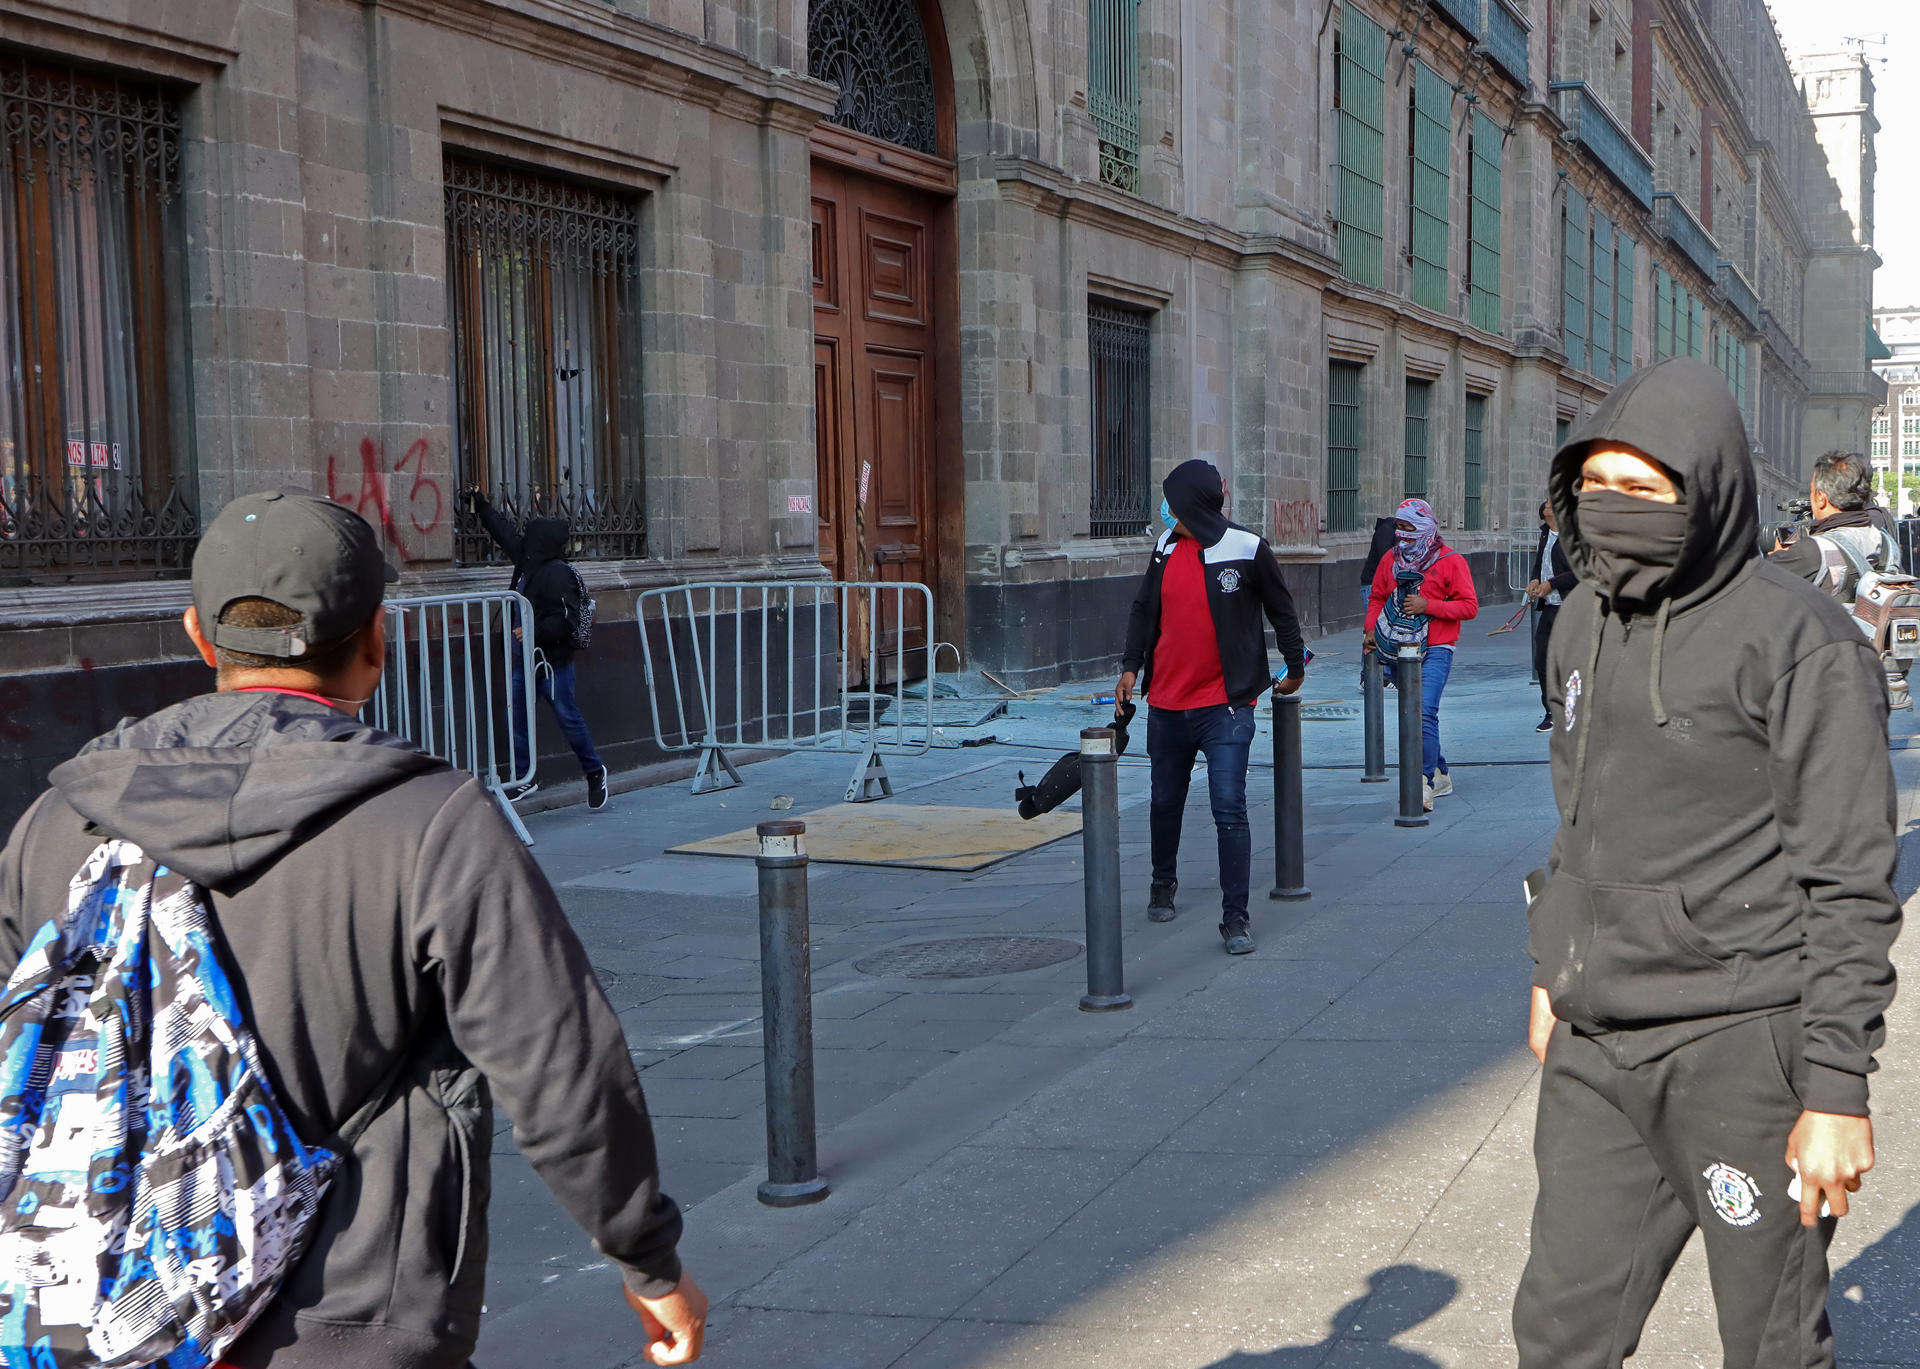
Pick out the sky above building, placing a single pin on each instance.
(1826, 25)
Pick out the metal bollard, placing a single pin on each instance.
(1289, 802)
(1373, 709)
(1406, 679)
(786, 1013)
(1100, 844)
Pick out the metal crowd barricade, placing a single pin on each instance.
(448, 685)
(790, 665)
(1521, 572)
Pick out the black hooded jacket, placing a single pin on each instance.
(374, 907)
(541, 572)
(1243, 581)
(1727, 838)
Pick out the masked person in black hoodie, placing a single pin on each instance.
(394, 950)
(559, 598)
(1196, 646)
(1711, 947)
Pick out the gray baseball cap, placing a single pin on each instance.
(306, 553)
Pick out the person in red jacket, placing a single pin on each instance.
(1445, 596)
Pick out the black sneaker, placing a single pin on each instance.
(1160, 902)
(1238, 938)
(1546, 724)
(597, 788)
(513, 793)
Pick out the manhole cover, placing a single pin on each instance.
(968, 957)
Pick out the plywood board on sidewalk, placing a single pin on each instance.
(907, 835)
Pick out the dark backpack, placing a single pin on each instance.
(580, 614)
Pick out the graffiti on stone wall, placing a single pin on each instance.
(1296, 523)
(377, 494)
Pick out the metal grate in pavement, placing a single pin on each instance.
(968, 957)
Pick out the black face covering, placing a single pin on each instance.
(1635, 543)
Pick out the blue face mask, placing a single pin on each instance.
(1166, 515)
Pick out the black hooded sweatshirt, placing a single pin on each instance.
(374, 908)
(541, 572)
(1727, 839)
(1243, 582)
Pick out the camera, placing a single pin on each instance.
(1801, 509)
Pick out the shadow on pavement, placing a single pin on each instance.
(1875, 1305)
(1418, 1294)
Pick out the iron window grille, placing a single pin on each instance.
(1360, 104)
(1484, 172)
(1343, 445)
(544, 284)
(875, 53)
(1120, 350)
(1473, 461)
(1429, 187)
(1113, 88)
(91, 485)
(1419, 404)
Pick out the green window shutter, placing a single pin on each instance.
(1573, 312)
(1113, 88)
(1432, 169)
(1600, 338)
(1419, 404)
(1483, 237)
(1623, 307)
(1343, 446)
(1473, 460)
(1363, 147)
(1662, 314)
(1697, 315)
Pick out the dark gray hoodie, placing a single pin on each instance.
(376, 909)
(1727, 841)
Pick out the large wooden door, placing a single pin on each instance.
(873, 352)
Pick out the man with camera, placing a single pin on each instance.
(1846, 540)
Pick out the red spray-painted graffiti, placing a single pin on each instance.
(376, 491)
(1296, 522)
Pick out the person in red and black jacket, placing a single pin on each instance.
(1441, 590)
(1196, 646)
(1554, 578)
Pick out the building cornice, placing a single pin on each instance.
(633, 51)
(1052, 191)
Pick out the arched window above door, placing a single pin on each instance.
(875, 52)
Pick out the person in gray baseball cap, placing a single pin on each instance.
(396, 952)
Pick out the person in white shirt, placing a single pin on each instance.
(1553, 577)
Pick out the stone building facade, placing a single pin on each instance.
(1895, 448)
(931, 290)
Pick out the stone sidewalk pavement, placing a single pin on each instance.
(1315, 1155)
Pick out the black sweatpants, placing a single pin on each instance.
(1631, 1161)
(1543, 616)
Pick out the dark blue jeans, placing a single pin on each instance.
(1225, 735)
(557, 689)
(1433, 681)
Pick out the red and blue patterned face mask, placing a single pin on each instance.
(1418, 547)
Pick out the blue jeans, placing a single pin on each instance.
(1433, 679)
(1174, 738)
(557, 689)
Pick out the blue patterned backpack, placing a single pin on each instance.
(1395, 627)
(152, 1193)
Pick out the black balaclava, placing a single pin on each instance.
(1634, 544)
(1197, 498)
